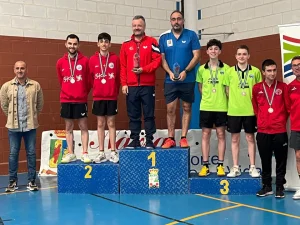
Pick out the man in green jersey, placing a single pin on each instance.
(239, 81)
(213, 107)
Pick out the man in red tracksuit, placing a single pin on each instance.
(271, 106)
(73, 75)
(105, 72)
(140, 57)
(294, 100)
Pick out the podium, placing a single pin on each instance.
(214, 185)
(77, 177)
(155, 171)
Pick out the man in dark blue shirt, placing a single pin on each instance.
(180, 50)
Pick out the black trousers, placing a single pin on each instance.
(267, 144)
(141, 98)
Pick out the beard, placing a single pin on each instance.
(72, 52)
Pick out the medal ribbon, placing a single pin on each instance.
(242, 83)
(270, 102)
(75, 63)
(213, 79)
(101, 66)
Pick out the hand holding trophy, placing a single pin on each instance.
(176, 71)
(136, 64)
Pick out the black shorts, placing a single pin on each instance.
(295, 140)
(183, 91)
(105, 108)
(208, 119)
(236, 123)
(73, 110)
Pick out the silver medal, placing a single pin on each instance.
(270, 110)
(72, 80)
(103, 81)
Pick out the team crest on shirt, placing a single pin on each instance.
(278, 91)
(79, 67)
(222, 72)
(169, 43)
(251, 75)
(111, 75)
(111, 65)
(131, 48)
(79, 77)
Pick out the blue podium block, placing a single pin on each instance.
(77, 177)
(157, 171)
(214, 185)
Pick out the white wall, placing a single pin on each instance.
(246, 18)
(55, 19)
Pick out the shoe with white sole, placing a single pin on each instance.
(100, 157)
(297, 195)
(253, 172)
(85, 158)
(234, 172)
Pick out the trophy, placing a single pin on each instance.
(136, 61)
(176, 71)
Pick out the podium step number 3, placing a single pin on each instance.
(214, 185)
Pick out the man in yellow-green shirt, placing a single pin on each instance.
(239, 81)
(213, 107)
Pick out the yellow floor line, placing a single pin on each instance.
(250, 206)
(205, 213)
(9, 193)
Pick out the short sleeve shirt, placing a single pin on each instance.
(179, 51)
(213, 95)
(239, 101)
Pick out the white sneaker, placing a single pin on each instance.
(234, 172)
(114, 157)
(69, 157)
(253, 172)
(297, 195)
(85, 158)
(100, 158)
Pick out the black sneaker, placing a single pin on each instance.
(266, 190)
(279, 192)
(135, 143)
(32, 186)
(12, 186)
(149, 144)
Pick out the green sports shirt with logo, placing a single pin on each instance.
(239, 101)
(213, 91)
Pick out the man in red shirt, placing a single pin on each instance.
(270, 104)
(140, 57)
(294, 97)
(73, 75)
(105, 72)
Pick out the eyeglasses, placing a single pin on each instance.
(296, 65)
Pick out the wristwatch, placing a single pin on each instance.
(186, 71)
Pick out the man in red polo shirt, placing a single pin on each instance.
(270, 104)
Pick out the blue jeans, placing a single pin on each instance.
(15, 139)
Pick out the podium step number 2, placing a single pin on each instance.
(77, 177)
